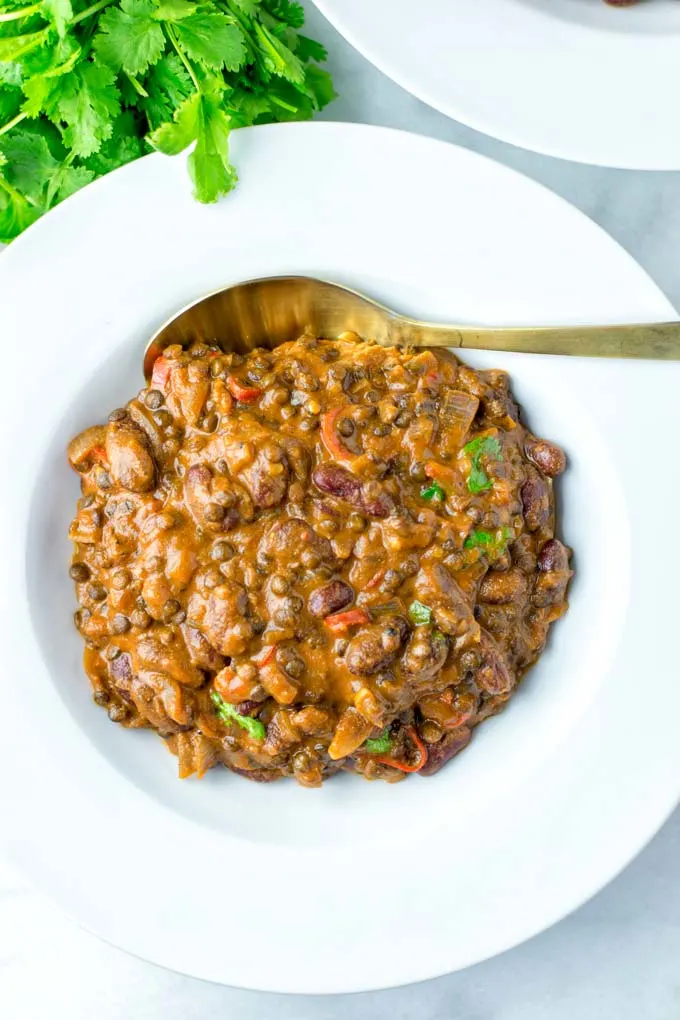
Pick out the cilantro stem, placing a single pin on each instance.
(182, 56)
(22, 12)
(89, 11)
(36, 39)
(280, 102)
(17, 196)
(264, 37)
(68, 65)
(56, 180)
(139, 89)
(243, 24)
(13, 123)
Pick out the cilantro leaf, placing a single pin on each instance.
(483, 444)
(39, 92)
(249, 108)
(88, 103)
(55, 58)
(478, 480)
(174, 137)
(66, 181)
(87, 86)
(32, 169)
(419, 613)
(277, 57)
(174, 10)
(287, 10)
(380, 745)
(167, 85)
(247, 7)
(129, 37)
(29, 164)
(16, 213)
(59, 12)
(309, 49)
(212, 40)
(10, 101)
(122, 147)
(433, 491)
(229, 714)
(320, 86)
(169, 74)
(488, 541)
(209, 166)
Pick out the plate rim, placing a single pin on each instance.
(491, 127)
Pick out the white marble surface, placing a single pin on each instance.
(617, 957)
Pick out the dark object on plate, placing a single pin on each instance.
(329, 555)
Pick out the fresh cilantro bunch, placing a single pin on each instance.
(86, 87)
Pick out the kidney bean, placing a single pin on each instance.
(121, 668)
(554, 574)
(330, 598)
(247, 707)
(374, 501)
(547, 457)
(553, 556)
(445, 749)
(337, 481)
(535, 501)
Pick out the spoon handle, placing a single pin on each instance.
(654, 341)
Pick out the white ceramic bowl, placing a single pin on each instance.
(577, 79)
(275, 887)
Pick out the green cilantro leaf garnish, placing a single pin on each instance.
(484, 444)
(228, 714)
(381, 744)
(488, 541)
(433, 491)
(99, 83)
(481, 446)
(419, 613)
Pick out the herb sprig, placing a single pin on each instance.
(87, 87)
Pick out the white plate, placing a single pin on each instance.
(572, 78)
(357, 885)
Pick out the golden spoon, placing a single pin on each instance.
(267, 312)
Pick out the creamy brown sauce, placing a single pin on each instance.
(282, 556)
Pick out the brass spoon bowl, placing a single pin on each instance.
(267, 312)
